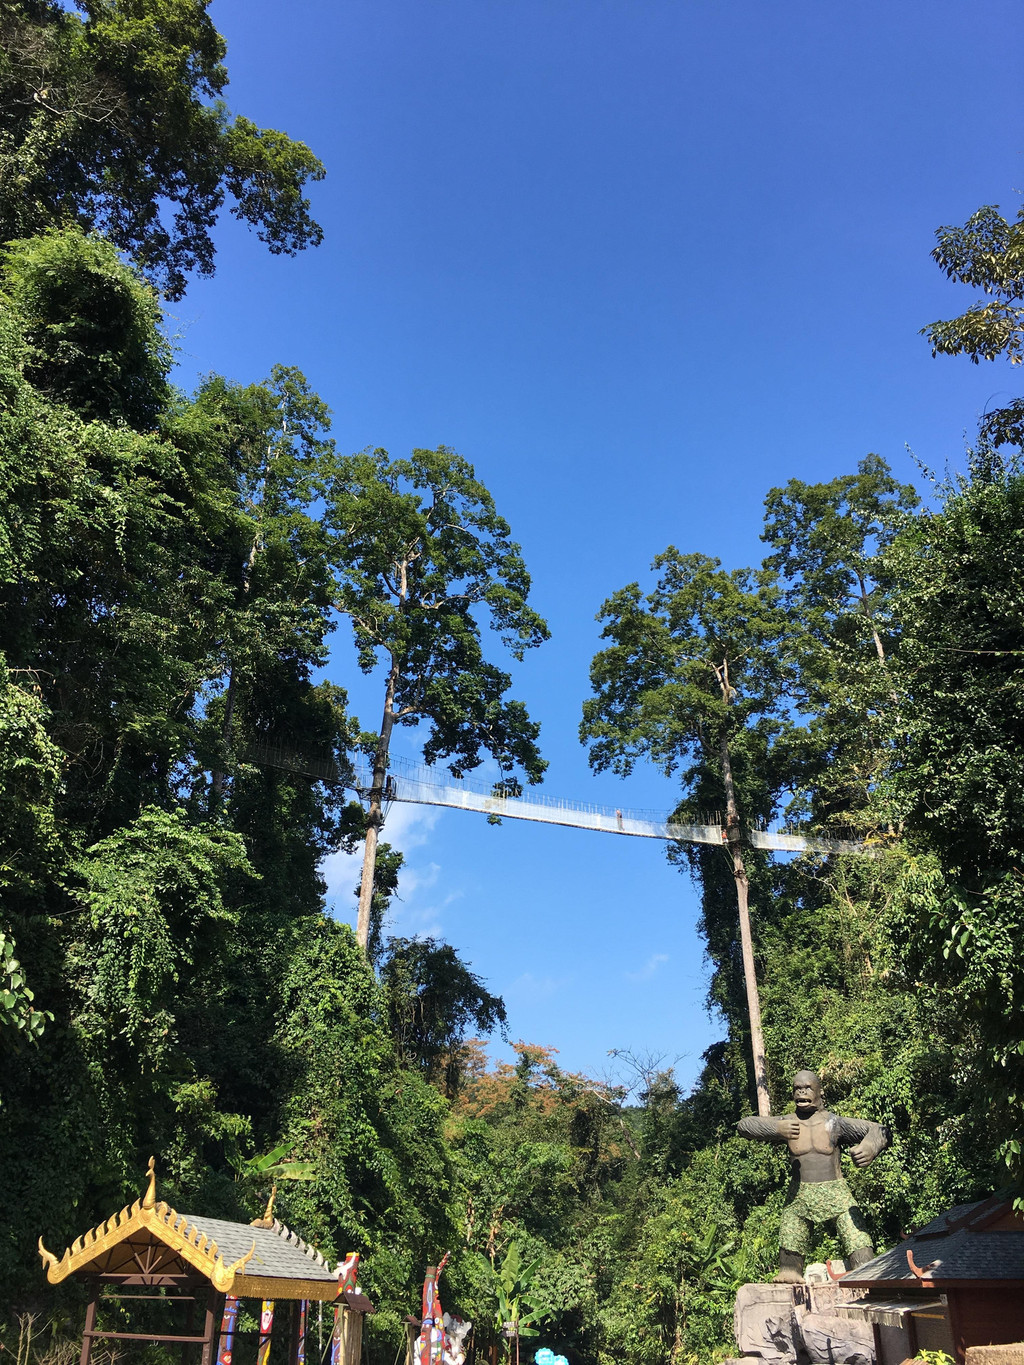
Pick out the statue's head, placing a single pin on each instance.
(807, 1093)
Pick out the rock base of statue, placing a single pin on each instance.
(796, 1324)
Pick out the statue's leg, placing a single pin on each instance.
(791, 1267)
(854, 1235)
(794, 1239)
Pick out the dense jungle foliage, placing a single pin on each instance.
(171, 568)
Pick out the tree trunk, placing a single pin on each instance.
(879, 648)
(375, 815)
(732, 831)
(219, 776)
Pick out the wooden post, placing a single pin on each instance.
(190, 1322)
(293, 1333)
(214, 1312)
(90, 1323)
(351, 1336)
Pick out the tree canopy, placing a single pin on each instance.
(113, 118)
(987, 253)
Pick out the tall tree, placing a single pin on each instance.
(422, 556)
(113, 118)
(827, 543)
(432, 999)
(691, 667)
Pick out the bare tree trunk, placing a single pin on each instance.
(865, 607)
(732, 830)
(375, 815)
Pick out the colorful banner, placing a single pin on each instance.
(227, 1330)
(266, 1328)
(300, 1349)
(336, 1337)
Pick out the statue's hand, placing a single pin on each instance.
(859, 1155)
(789, 1129)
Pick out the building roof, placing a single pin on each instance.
(150, 1242)
(983, 1241)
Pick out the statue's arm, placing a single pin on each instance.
(865, 1138)
(762, 1130)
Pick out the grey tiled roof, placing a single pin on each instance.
(959, 1252)
(280, 1253)
(942, 1222)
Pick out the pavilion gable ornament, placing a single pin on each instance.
(171, 1229)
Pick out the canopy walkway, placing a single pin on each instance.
(420, 785)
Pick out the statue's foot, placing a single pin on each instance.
(858, 1258)
(791, 1268)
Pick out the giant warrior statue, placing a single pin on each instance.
(818, 1193)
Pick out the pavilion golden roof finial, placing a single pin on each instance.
(267, 1221)
(149, 1198)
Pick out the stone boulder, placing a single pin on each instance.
(1011, 1354)
(764, 1322)
(829, 1339)
(796, 1324)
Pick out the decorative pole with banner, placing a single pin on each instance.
(227, 1330)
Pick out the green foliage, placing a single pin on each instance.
(270, 1164)
(373, 1131)
(91, 328)
(31, 843)
(846, 654)
(159, 899)
(988, 254)
(17, 1010)
(691, 663)
(386, 869)
(432, 999)
(166, 600)
(955, 778)
(829, 542)
(513, 1286)
(113, 119)
(421, 555)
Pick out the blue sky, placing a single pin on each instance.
(638, 260)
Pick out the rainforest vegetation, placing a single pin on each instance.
(173, 770)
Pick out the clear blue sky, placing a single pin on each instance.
(638, 260)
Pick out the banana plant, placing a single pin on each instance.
(517, 1312)
(271, 1165)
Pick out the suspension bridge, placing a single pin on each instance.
(420, 785)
